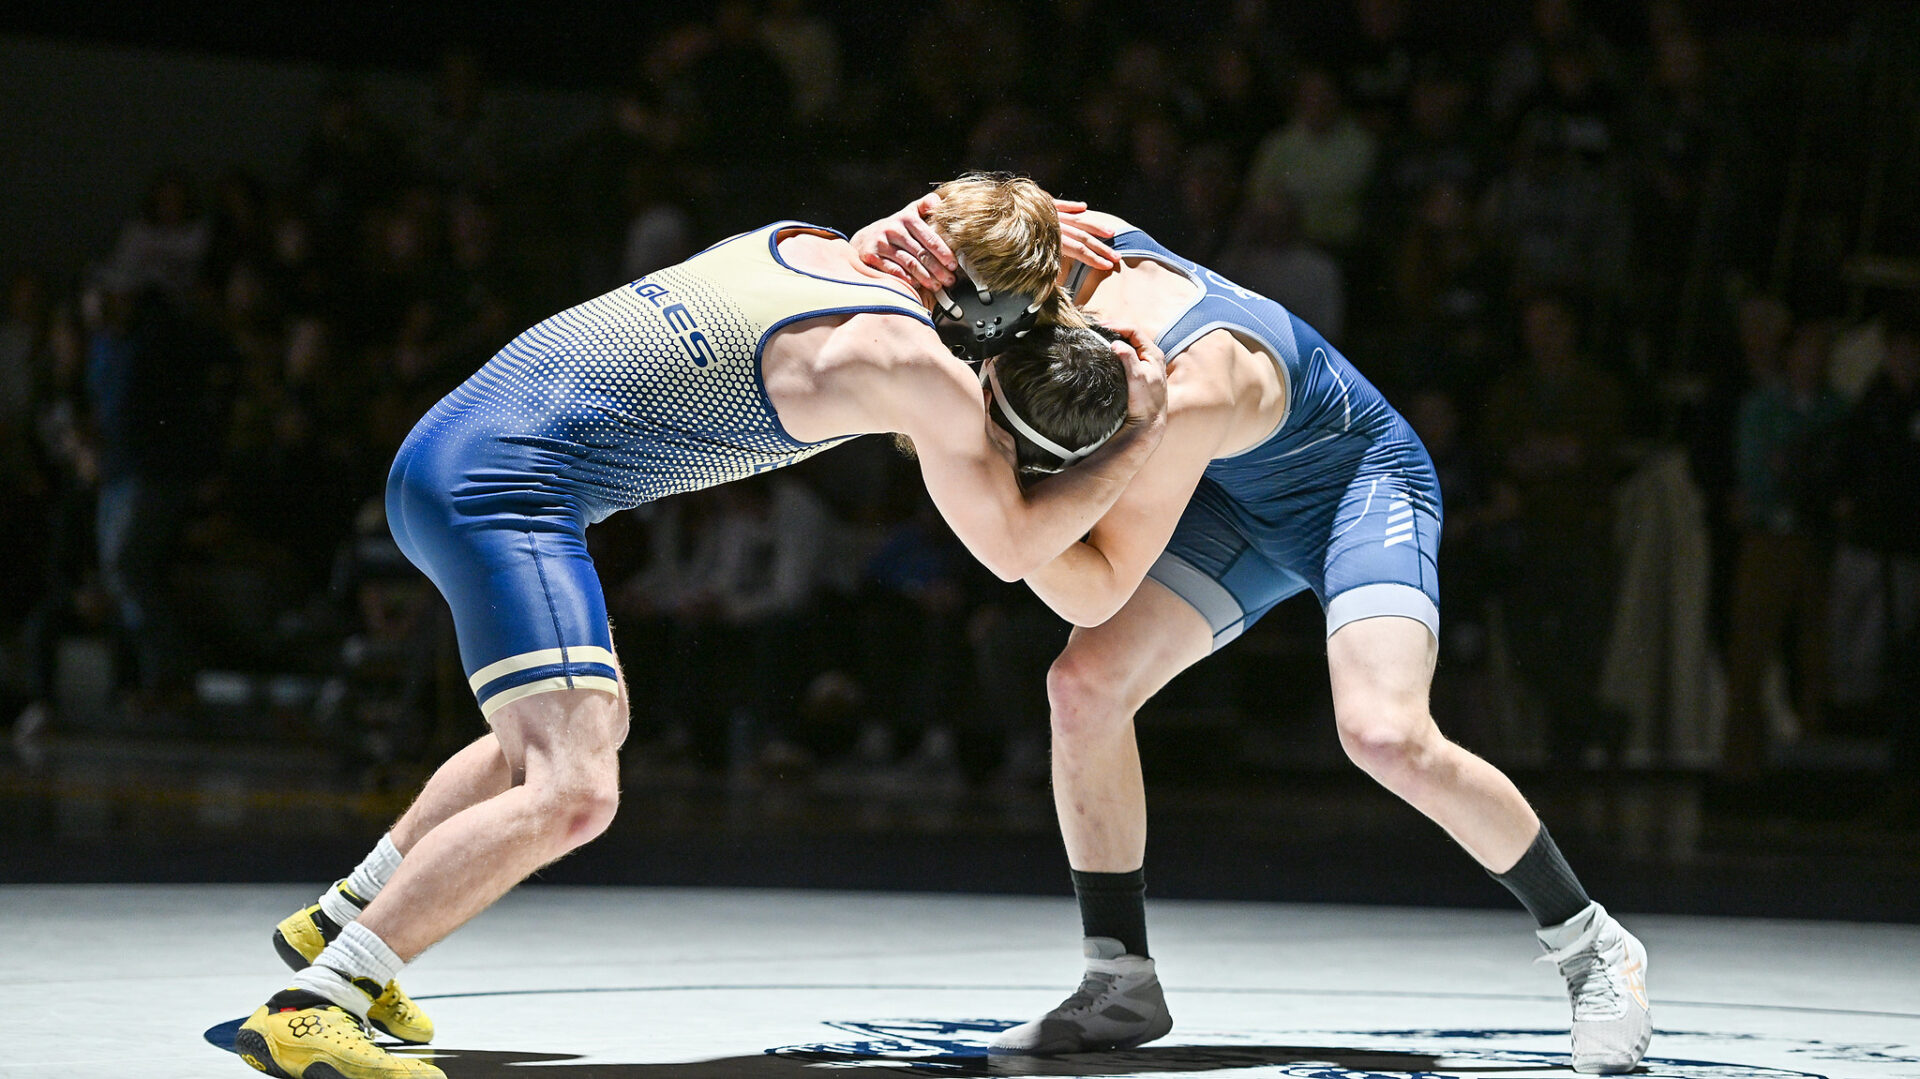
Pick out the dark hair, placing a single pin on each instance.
(1067, 384)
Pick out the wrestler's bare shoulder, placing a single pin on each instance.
(1226, 381)
(852, 374)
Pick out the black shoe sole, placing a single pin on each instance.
(252, 1048)
(288, 953)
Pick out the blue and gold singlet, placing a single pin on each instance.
(649, 390)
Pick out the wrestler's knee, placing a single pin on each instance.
(1087, 694)
(1389, 740)
(577, 801)
(567, 745)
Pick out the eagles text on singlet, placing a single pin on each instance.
(693, 341)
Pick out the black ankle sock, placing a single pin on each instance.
(1114, 905)
(1542, 881)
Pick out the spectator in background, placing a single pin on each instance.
(1761, 324)
(350, 163)
(777, 553)
(303, 469)
(1576, 102)
(1270, 256)
(1553, 428)
(656, 605)
(1014, 638)
(400, 264)
(23, 343)
(239, 229)
(1323, 158)
(306, 283)
(1472, 574)
(1522, 68)
(393, 654)
(1673, 132)
(1562, 222)
(66, 593)
(1150, 185)
(808, 49)
(165, 246)
(1438, 144)
(148, 374)
(1876, 634)
(735, 572)
(1447, 289)
(912, 630)
(1236, 103)
(739, 114)
(478, 286)
(1209, 191)
(1381, 68)
(659, 230)
(459, 141)
(1782, 447)
(612, 174)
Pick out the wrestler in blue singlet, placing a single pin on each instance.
(649, 390)
(1341, 498)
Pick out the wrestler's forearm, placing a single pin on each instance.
(1064, 507)
(1080, 585)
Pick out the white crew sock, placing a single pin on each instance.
(329, 984)
(357, 955)
(364, 882)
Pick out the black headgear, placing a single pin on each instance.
(976, 323)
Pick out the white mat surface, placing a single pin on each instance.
(616, 983)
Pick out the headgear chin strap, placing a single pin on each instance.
(975, 323)
(1067, 456)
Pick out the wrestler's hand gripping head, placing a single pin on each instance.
(1005, 235)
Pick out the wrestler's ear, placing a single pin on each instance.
(1003, 441)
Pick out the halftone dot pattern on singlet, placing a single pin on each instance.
(618, 384)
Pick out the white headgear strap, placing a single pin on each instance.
(1067, 456)
(954, 311)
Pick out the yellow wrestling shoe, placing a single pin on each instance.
(301, 1035)
(300, 937)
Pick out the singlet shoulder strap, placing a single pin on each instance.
(774, 291)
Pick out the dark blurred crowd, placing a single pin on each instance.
(1679, 457)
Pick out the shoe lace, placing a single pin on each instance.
(1094, 985)
(1585, 969)
(355, 1029)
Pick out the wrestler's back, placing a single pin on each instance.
(659, 387)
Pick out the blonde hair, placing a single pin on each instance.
(1007, 230)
